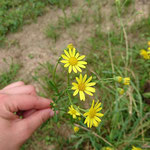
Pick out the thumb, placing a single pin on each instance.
(34, 121)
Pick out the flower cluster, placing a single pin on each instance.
(124, 81)
(82, 86)
(146, 53)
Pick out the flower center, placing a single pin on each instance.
(81, 87)
(92, 113)
(73, 111)
(73, 61)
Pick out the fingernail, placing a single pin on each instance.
(51, 113)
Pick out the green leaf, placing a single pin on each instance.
(146, 95)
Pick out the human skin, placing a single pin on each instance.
(16, 99)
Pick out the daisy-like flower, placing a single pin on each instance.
(118, 78)
(121, 91)
(73, 60)
(145, 54)
(82, 86)
(136, 148)
(70, 46)
(73, 112)
(76, 129)
(126, 81)
(93, 115)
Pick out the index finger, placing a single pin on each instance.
(15, 103)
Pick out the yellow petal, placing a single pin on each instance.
(74, 52)
(99, 114)
(75, 93)
(90, 89)
(66, 65)
(78, 80)
(74, 84)
(81, 57)
(84, 78)
(81, 66)
(64, 61)
(74, 88)
(89, 93)
(82, 95)
(80, 77)
(89, 79)
(86, 114)
(92, 103)
(97, 110)
(77, 55)
(67, 54)
(82, 62)
(97, 119)
(78, 69)
(65, 57)
(70, 69)
(95, 123)
(74, 69)
(70, 52)
(90, 84)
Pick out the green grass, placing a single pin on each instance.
(9, 76)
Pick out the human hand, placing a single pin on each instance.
(18, 97)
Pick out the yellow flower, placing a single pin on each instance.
(148, 43)
(82, 86)
(108, 148)
(148, 49)
(73, 112)
(93, 115)
(76, 129)
(70, 46)
(121, 91)
(126, 81)
(73, 60)
(145, 54)
(118, 78)
(136, 148)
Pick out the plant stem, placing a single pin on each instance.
(54, 72)
(94, 134)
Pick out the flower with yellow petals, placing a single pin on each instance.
(148, 43)
(145, 54)
(148, 49)
(70, 46)
(82, 86)
(93, 115)
(73, 60)
(118, 78)
(136, 148)
(121, 91)
(73, 112)
(108, 148)
(76, 129)
(126, 81)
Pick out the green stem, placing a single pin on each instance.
(54, 72)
